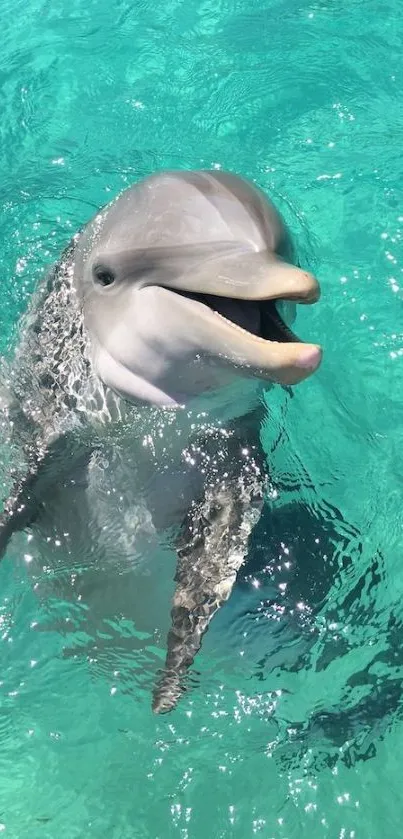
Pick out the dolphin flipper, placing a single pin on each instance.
(214, 546)
(48, 465)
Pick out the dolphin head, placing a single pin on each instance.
(181, 281)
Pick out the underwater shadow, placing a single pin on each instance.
(300, 558)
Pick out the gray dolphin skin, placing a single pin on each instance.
(161, 324)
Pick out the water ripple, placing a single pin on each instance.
(293, 723)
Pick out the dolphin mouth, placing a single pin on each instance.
(251, 334)
(261, 318)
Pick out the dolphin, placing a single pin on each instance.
(164, 320)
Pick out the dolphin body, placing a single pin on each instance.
(160, 325)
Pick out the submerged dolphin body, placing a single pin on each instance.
(166, 304)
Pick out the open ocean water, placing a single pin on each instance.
(295, 728)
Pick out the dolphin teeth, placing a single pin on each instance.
(281, 327)
(240, 328)
(267, 324)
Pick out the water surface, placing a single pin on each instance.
(295, 728)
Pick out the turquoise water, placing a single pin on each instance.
(295, 728)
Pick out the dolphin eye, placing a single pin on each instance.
(103, 276)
